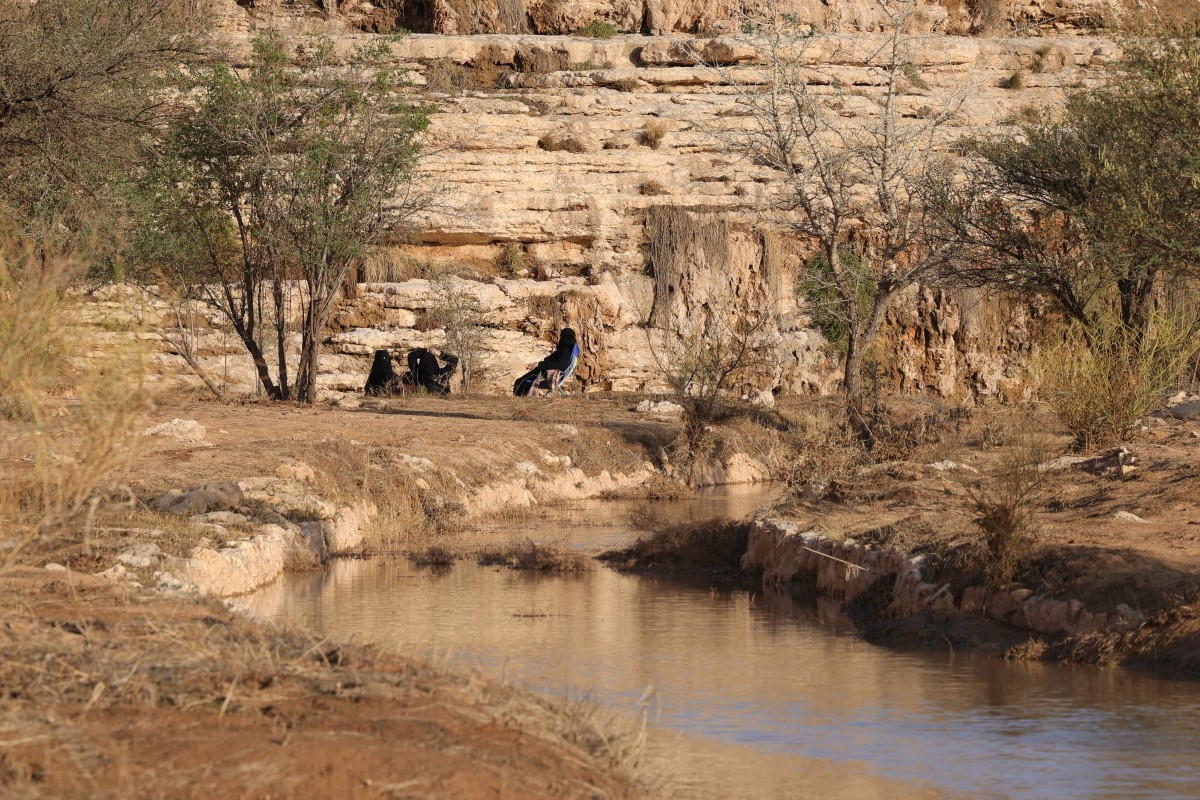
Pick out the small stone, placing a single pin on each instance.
(221, 496)
(1185, 411)
(567, 430)
(185, 430)
(1129, 517)
(661, 407)
(139, 556)
(55, 568)
(296, 471)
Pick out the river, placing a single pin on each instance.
(759, 694)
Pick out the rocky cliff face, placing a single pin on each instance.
(654, 17)
(558, 157)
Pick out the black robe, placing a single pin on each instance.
(424, 371)
(383, 380)
(560, 359)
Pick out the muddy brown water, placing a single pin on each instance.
(762, 695)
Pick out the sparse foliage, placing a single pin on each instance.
(1093, 208)
(275, 183)
(1006, 501)
(850, 188)
(1102, 381)
(79, 92)
(709, 365)
(460, 314)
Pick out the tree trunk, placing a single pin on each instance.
(1137, 304)
(264, 372)
(281, 337)
(857, 344)
(306, 380)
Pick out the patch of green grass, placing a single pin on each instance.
(597, 30)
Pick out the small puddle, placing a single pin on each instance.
(762, 695)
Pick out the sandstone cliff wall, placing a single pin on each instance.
(556, 155)
(654, 17)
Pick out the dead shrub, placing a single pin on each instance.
(652, 188)
(822, 450)
(535, 556)
(513, 259)
(64, 431)
(629, 84)
(988, 17)
(654, 132)
(555, 142)
(432, 556)
(1014, 81)
(714, 545)
(1005, 502)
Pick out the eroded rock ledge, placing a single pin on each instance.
(844, 569)
(288, 525)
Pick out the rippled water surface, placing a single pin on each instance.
(764, 696)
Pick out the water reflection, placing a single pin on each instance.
(765, 673)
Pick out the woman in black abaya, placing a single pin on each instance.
(560, 360)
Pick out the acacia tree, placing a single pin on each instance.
(79, 84)
(282, 176)
(1094, 207)
(848, 184)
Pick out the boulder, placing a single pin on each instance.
(222, 496)
(185, 430)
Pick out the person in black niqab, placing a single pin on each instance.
(425, 371)
(559, 360)
(383, 380)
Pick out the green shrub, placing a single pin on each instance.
(597, 30)
(824, 307)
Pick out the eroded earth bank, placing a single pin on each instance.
(124, 633)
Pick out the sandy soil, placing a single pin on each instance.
(111, 692)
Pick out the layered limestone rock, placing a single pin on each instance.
(596, 183)
(844, 569)
(656, 17)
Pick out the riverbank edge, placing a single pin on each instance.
(892, 602)
(302, 531)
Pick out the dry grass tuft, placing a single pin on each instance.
(65, 430)
(654, 132)
(539, 557)
(1015, 81)
(1005, 503)
(1103, 384)
(555, 142)
(712, 546)
(433, 556)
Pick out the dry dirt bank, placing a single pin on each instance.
(109, 693)
(115, 690)
(1109, 571)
